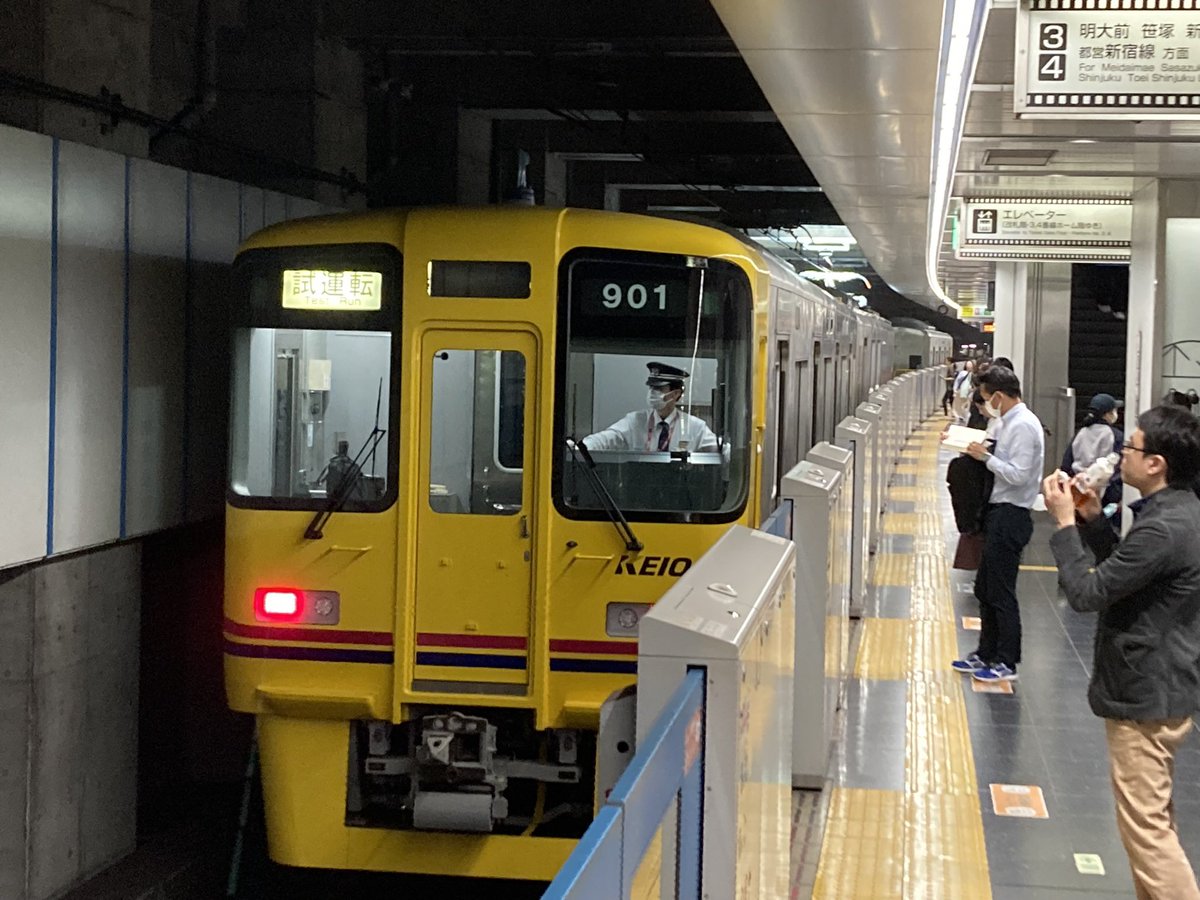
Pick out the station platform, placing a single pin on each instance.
(938, 790)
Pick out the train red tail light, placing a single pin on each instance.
(278, 604)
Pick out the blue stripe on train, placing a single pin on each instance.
(470, 660)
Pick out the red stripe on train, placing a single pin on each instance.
(319, 635)
(624, 648)
(482, 641)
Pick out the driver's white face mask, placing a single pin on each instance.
(655, 398)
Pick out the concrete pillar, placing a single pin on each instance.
(1012, 280)
(1163, 316)
(474, 157)
(1033, 329)
(68, 702)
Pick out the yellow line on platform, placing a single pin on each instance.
(1039, 568)
(925, 841)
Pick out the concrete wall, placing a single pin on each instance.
(257, 75)
(68, 704)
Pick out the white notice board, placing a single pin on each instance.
(1108, 59)
(1042, 228)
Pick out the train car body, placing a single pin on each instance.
(432, 590)
(917, 348)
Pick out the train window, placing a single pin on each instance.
(313, 409)
(309, 416)
(477, 432)
(654, 362)
(479, 278)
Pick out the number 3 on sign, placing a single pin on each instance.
(636, 296)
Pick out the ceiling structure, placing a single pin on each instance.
(652, 107)
(859, 94)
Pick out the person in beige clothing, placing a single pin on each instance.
(1146, 669)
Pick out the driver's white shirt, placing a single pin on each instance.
(639, 431)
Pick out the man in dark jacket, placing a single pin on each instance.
(1146, 670)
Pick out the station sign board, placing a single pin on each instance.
(1108, 59)
(1046, 228)
(975, 312)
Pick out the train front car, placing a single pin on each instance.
(451, 500)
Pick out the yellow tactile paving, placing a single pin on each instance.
(895, 649)
(926, 523)
(926, 841)
(907, 493)
(893, 569)
(863, 852)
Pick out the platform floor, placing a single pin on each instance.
(908, 811)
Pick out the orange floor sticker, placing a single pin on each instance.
(1024, 801)
(971, 623)
(991, 687)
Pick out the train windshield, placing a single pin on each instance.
(654, 381)
(312, 413)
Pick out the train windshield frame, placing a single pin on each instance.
(629, 317)
(314, 358)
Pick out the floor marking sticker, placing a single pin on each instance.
(971, 623)
(1025, 801)
(991, 687)
(1089, 864)
(1039, 568)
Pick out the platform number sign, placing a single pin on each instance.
(1052, 58)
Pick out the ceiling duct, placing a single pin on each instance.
(1007, 157)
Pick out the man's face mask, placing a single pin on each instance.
(992, 410)
(656, 398)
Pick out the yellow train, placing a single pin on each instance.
(469, 449)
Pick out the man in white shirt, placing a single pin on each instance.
(661, 426)
(1016, 460)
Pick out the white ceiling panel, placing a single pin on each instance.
(853, 83)
(838, 81)
(773, 25)
(857, 135)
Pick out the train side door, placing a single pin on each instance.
(474, 586)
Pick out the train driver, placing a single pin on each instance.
(661, 426)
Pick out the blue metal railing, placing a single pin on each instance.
(668, 767)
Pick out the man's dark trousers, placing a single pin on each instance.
(1007, 529)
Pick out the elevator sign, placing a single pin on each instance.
(1108, 59)
(1045, 228)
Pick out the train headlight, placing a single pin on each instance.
(281, 604)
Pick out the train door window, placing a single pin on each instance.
(781, 417)
(818, 409)
(477, 432)
(654, 380)
(804, 439)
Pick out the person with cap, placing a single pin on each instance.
(661, 426)
(1096, 438)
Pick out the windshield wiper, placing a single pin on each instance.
(610, 505)
(350, 477)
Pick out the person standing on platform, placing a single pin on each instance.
(950, 374)
(963, 387)
(1146, 667)
(1016, 460)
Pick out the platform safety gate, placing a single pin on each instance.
(667, 774)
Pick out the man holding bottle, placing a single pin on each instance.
(1146, 670)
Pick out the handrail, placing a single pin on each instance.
(668, 766)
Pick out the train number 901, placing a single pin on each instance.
(635, 296)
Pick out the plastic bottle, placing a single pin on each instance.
(1094, 477)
